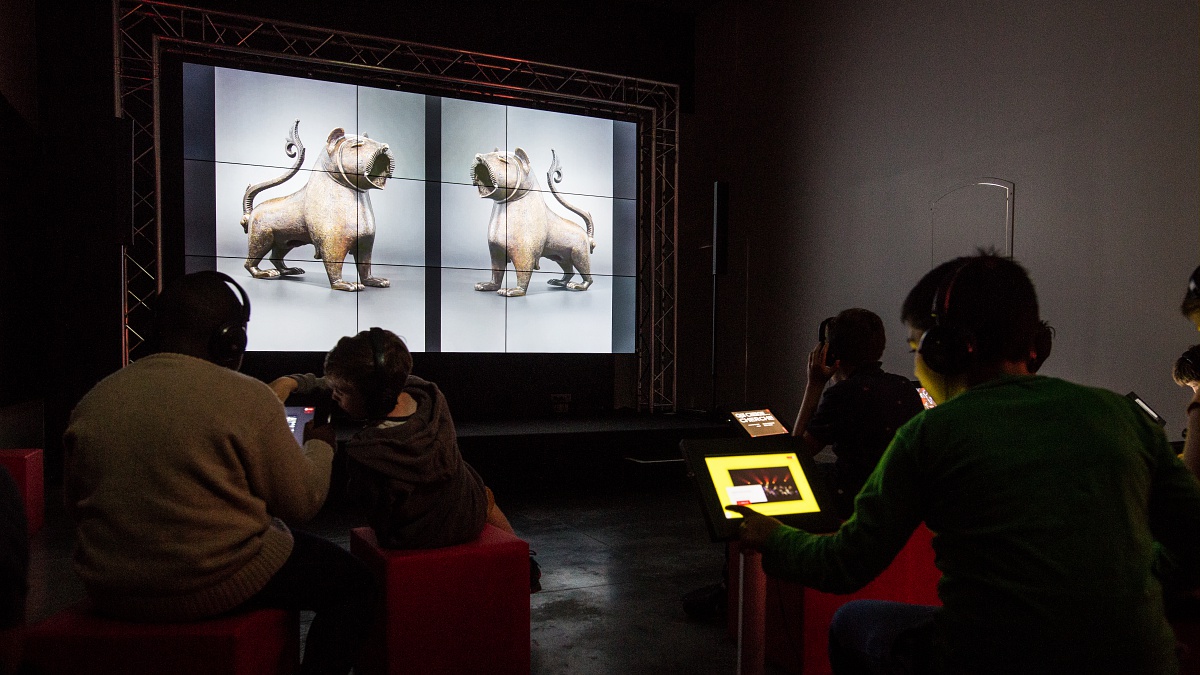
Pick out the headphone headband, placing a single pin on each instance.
(228, 342)
(941, 297)
(381, 397)
(245, 299)
(947, 348)
(377, 352)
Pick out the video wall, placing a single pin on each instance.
(461, 225)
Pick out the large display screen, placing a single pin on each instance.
(463, 226)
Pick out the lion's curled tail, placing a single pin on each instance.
(554, 175)
(294, 148)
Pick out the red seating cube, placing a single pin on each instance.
(795, 631)
(459, 609)
(78, 642)
(25, 465)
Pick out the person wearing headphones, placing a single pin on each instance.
(859, 413)
(405, 468)
(181, 475)
(1053, 507)
(1186, 373)
(1190, 307)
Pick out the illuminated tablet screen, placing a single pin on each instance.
(926, 398)
(297, 417)
(772, 484)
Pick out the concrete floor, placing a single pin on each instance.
(617, 556)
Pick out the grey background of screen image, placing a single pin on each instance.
(302, 314)
(547, 319)
(585, 150)
(250, 149)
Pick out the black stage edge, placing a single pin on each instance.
(615, 452)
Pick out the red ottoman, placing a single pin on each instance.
(794, 634)
(77, 642)
(25, 465)
(459, 609)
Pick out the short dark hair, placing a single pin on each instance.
(856, 337)
(1187, 367)
(992, 297)
(353, 359)
(193, 307)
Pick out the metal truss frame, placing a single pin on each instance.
(143, 32)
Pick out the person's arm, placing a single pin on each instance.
(818, 376)
(886, 513)
(1191, 443)
(292, 480)
(300, 383)
(1174, 514)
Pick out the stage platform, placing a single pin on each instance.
(622, 449)
(671, 423)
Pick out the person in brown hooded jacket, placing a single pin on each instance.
(404, 466)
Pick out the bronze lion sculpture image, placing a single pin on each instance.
(332, 211)
(523, 229)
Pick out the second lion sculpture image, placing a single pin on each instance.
(523, 229)
(332, 211)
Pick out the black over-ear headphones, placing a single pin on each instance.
(1193, 291)
(823, 335)
(381, 397)
(947, 347)
(228, 342)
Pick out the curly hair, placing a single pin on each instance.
(376, 362)
(1187, 367)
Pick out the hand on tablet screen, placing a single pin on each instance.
(323, 432)
(756, 528)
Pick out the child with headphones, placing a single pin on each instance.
(404, 466)
(1059, 511)
(860, 411)
(1190, 307)
(1187, 374)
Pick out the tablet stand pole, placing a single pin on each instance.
(751, 633)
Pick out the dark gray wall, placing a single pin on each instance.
(837, 124)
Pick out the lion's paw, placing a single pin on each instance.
(340, 285)
(578, 286)
(263, 274)
(556, 282)
(377, 282)
(486, 286)
(291, 271)
(511, 292)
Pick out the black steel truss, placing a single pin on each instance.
(143, 32)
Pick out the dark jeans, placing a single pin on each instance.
(324, 578)
(881, 638)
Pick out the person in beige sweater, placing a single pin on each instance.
(181, 474)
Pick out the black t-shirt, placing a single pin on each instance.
(858, 417)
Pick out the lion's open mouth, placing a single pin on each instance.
(482, 178)
(381, 167)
